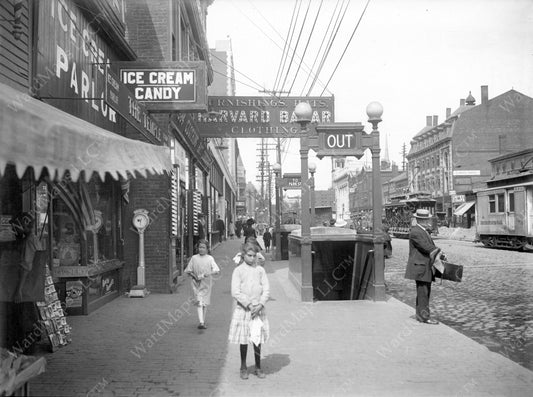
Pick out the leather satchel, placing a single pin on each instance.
(452, 272)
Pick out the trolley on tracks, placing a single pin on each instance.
(399, 213)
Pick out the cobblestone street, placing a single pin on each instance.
(492, 305)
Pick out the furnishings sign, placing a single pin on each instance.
(259, 117)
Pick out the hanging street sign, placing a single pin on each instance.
(290, 181)
(167, 86)
(340, 139)
(259, 116)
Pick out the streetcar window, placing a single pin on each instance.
(501, 203)
(492, 203)
(511, 201)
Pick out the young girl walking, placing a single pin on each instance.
(250, 289)
(200, 268)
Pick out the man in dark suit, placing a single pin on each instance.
(422, 252)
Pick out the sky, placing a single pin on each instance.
(415, 57)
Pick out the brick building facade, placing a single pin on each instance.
(449, 160)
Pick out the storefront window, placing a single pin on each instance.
(66, 233)
(101, 242)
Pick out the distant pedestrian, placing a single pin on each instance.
(231, 230)
(250, 289)
(422, 254)
(200, 268)
(238, 228)
(249, 230)
(267, 237)
(221, 227)
(387, 245)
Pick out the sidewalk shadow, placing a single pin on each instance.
(274, 363)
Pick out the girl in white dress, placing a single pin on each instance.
(250, 289)
(200, 268)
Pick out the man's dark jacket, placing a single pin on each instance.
(420, 261)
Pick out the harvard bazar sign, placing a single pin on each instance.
(258, 117)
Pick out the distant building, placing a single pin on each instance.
(324, 203)
(395, 187)
(361, 187)
(450, 159)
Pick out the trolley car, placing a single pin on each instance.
(504, 213)
(399, 213)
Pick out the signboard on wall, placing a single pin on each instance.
(167, 86)
(466, 172)
(74, 69)
(259, 116)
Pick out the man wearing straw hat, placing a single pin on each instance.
(422, 253)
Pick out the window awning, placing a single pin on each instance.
(33, 133)
(461, 210)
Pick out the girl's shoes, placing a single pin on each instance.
(202, 326)
(260, 374)
(244, 373)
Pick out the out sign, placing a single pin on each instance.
(340, 141)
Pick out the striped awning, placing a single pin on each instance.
(463, 208)
(35, 134)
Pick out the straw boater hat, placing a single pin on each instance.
(340, 223)
(422, 214)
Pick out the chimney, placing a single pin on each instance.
(428, 121)
(461, 102)
(435, 120)
(484, 94)
(448, 113)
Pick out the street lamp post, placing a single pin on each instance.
(277, 170)
(374, 111)
(304, 112)
(312, 169)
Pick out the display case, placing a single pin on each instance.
(86, 230)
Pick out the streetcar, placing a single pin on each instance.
(399, 213)
(504, 213)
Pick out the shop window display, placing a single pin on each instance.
(86, 216)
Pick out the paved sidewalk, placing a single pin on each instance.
(151, 347)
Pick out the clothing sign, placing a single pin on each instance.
(259, 117)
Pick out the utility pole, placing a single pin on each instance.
(404, 155)
(263, 168)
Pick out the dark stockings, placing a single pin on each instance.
(257, 356)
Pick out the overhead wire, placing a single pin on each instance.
(319, 50)
(285, 47)
(338, 24)
(296, 46)
(347, 45)
(306, 67)
(307, 44)
(289, 46)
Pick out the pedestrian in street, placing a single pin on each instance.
(267, 237)
(201, 267)
(231, 230)
(238, 228)
(249, 324)
(201, 230)
(422, 253)
(221, 227)
(387, 245)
